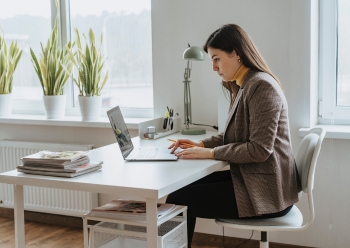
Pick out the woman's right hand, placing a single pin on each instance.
(184, 144)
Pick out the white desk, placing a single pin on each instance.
(149, 180)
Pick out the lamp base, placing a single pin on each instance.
(193, 131)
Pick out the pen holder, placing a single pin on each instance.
(168, 124)
(173, 125)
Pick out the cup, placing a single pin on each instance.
(151, 131)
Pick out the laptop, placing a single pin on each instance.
(126, 146)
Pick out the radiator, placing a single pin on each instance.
(38, 199)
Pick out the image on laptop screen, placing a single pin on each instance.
(121, 131)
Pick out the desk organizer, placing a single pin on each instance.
(131, 233)
(158, 123)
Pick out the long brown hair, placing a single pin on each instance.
(232, 37)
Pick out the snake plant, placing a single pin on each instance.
(89, 62)
(8, 62)
(54, 66)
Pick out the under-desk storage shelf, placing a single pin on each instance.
(131, 232)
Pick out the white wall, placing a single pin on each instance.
(278, 27)
(281, 31)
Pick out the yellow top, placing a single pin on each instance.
(240, 75)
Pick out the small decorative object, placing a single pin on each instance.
(151, 132)
(191, 53)
(89, 62)
(53, 68)
(8, 62)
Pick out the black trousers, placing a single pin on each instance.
(211, 197)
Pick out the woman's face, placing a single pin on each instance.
(226, 64)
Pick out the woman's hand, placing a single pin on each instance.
(195, 152)
(184, 144)
(190, 149)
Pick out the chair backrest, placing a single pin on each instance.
(307, 157)
(306, 164)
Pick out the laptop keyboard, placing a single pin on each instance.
(149, 152)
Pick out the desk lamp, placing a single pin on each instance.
(191, 53)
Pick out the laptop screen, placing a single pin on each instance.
(120, 131)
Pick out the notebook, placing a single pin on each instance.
(126, 146)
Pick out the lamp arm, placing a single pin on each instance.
(187, 73)
(187, 97)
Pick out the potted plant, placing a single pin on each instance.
(8, 62)
(89, 63)
(53, 68)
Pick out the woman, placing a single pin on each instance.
(262, 181)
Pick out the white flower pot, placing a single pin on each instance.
(5, 105)
(55, 106)
(90, 107)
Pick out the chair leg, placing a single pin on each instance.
(263, 241)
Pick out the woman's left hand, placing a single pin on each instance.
(195, 152)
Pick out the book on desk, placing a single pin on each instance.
(54, 156)
(61, 164)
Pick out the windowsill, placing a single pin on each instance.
(68, 121)
(332, 131)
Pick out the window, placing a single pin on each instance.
(343, 54)
(335, 61)
(28, 25)
(127, 48)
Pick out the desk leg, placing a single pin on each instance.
(152, 229)
(19, 216)
(86, 233)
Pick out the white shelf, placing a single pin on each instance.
(67, 121)
(132, 231)
(332, 131)
(136, 220)
(158, 124)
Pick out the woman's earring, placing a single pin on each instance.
(239, 60)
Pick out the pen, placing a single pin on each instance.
(183, 143)
(171, 119)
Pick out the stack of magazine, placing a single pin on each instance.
(128, 209)
(61, 164)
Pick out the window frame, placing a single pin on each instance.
(36, 107)
(329, 113)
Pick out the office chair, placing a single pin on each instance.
(293, 221)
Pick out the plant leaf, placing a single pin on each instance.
(103, 83)
(37, 68)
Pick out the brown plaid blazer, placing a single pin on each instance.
(256, 143)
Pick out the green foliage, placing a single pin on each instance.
(89, 62)
(54, 66)
(8, 62)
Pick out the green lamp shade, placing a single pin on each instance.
(194, 53)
